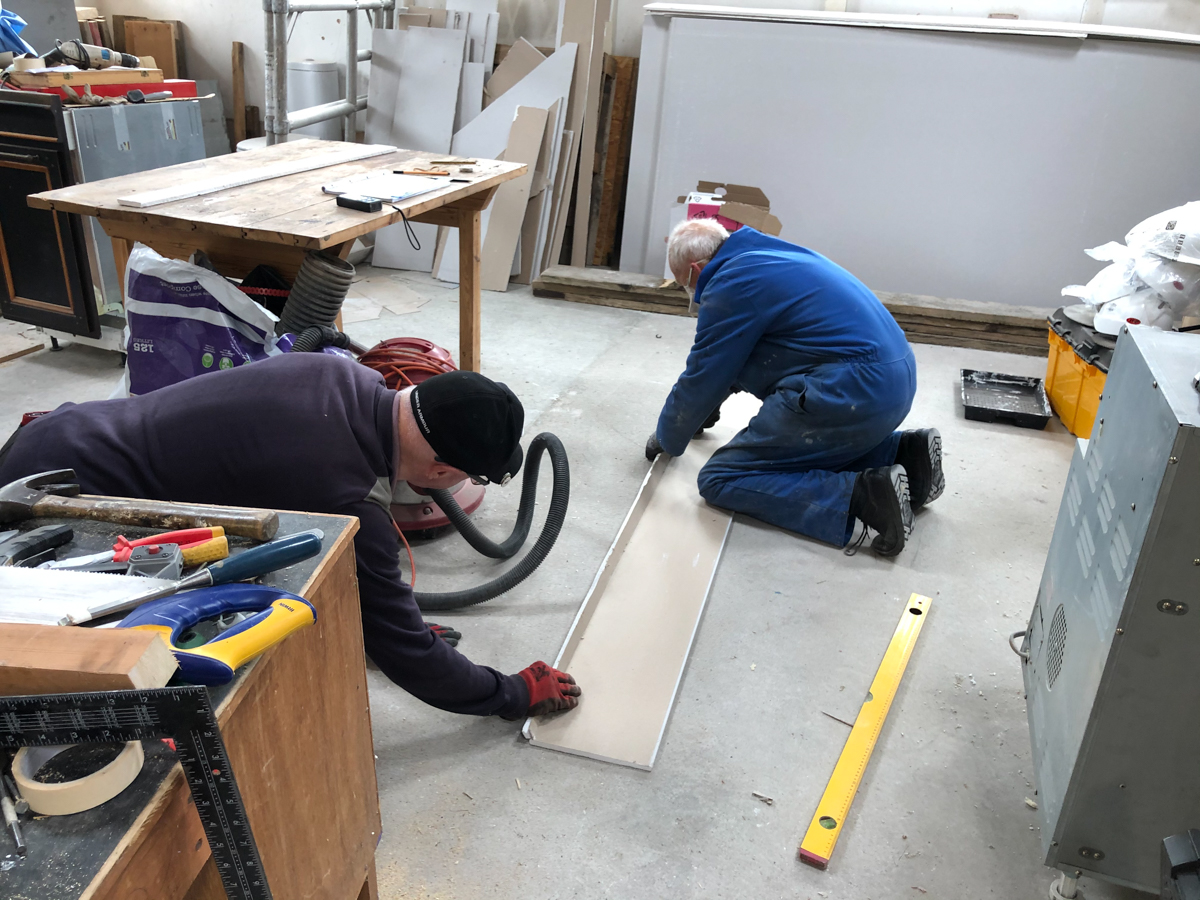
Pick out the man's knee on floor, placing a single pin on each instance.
(711, 482)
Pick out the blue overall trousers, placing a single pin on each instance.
(833, 369)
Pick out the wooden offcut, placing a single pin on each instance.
(239, 92)
(49, 659)
(162, 40)
(114, 75)
(615, 169)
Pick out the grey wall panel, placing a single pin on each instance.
(952, 164)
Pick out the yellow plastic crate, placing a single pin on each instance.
(1073, 386)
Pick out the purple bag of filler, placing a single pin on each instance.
(183, 320)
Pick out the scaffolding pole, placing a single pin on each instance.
(277, 121)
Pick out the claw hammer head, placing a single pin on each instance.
(18, 498)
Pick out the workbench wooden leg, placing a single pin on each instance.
(121, 248)
(468, 290)
(370, 889)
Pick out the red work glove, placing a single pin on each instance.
(446, 633)
(549, 689)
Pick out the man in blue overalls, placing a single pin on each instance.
(836, 377)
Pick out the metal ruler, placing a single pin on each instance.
(817, 846)
(180, 713)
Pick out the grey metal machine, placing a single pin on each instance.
(1112, 651)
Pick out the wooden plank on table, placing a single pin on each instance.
(161, 39)
(616, 162)
(293, 212)
(239, 93)
(507, 211)
(339, 152)
(52, 659)
(587, 145)
(89, 76)
(634, 631)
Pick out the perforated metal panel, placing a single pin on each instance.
(1055, 645)
(1111, 680)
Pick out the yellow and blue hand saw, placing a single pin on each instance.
(275, 615)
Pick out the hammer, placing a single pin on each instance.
(56, 495)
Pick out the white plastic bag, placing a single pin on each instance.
(183, 320)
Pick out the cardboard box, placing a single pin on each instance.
(733, 205)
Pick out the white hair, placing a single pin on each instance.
(695, 240)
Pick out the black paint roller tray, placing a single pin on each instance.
(996, 397)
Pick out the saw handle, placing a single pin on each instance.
(259, 524)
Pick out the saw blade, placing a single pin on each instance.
(51, 596)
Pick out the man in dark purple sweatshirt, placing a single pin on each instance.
(317, 433)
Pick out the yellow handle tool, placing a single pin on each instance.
(817, 846)
(276, 614)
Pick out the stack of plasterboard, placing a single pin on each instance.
(432, 87)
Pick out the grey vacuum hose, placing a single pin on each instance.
(315, 337)
(506, 549)
(317, 293)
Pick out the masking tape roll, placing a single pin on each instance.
(74, 796)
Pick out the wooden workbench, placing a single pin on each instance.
(297, 726)
(276, 222)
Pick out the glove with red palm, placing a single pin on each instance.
(446, 633)
(549, 689)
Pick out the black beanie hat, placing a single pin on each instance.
(472, 423)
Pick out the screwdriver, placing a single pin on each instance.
(251, 563)
(10, 817)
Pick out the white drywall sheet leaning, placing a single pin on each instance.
(425, 101)
(634, 631)
(486, 135)
(947, 163)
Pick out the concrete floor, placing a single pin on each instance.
(793, 630)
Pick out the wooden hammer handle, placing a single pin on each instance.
(259, 524)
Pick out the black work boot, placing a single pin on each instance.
(920, 452)
(880, 500)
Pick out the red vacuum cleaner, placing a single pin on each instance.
(406, 362)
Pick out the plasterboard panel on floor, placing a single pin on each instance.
(486, 135)
(634, 631)
(511, 199)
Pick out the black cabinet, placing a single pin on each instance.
(44, 274)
